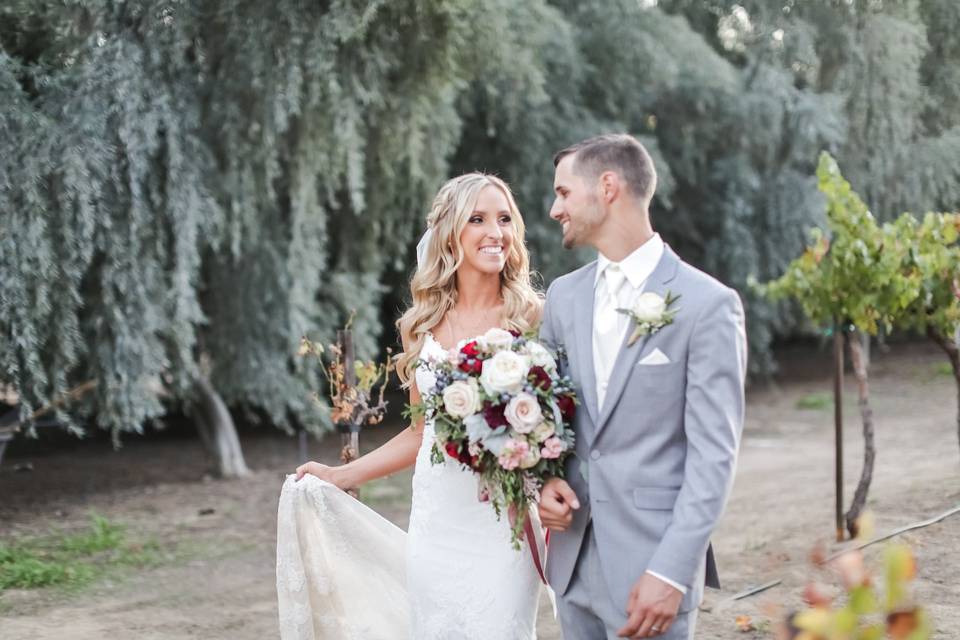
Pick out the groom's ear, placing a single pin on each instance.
(610, 186)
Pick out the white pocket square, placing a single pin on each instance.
(655, 357)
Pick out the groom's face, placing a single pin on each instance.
(576, 205)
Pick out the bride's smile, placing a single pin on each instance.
(489, 233)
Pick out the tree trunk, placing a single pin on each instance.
(218, 432)
(838, 427)
(953, 353)
(869, 449)
(5, 437)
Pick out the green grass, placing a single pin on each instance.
(943, 369)
(819, 400)
(26, 568)
(103, 536)
(73, 561)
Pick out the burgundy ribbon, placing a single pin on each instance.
(531, 541)
(535, 548)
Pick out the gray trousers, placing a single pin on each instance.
(587, 612)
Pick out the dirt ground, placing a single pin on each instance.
(218, 580)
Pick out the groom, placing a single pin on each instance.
(660, 416)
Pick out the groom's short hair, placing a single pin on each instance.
(618, 152)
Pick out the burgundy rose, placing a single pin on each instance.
(514, 333)
(493, 414)
(453, 450)
(470, 349)
(568, 408)
(540, 378)
(471, 365)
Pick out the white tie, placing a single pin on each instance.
(610, 318)
(609, 327)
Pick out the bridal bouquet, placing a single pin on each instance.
(501, 408)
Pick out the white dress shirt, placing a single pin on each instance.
(609, 327)
(617, 286)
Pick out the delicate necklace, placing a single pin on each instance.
(455, 324)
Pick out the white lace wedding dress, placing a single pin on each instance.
(343, 571)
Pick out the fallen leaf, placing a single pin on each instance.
(852, 570)
(818, 556)
(813, 595)
(900, 624)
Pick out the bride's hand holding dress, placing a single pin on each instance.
(333, 475)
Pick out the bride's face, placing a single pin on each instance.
(576, 205)
(488, 235)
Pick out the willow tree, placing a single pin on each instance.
(869, 81)
(851, 278)
(190, 187)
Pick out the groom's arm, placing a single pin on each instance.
(557, 499)
(548, 336)
(713, 422)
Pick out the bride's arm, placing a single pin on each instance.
(396, 454)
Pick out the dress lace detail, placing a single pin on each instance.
(343, 571)
(330, 550)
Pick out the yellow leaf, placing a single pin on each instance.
(866, 525)
(744, 624)
(814, 620)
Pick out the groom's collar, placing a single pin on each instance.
(638, 265)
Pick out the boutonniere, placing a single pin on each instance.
(651, 312)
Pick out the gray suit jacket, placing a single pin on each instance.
(654, 468)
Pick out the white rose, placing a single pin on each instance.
(505, 372)
(531, 458)
(462, 399)
(540, 357)
(495, 339)
(649, 307)
(523, 413)
(543, 431)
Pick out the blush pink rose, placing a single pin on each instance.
(513, 454)
(552, 448)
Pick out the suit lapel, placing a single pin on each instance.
(583, 328)
(664, 272)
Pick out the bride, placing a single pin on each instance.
(340, 566)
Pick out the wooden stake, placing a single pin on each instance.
(349, 429)
(838, 423)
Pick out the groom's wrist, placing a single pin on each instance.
(676, 585)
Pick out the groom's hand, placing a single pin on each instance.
(557, 503)
(651, 608)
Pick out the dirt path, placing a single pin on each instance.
(218, 580)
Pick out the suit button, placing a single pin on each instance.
(595, 455)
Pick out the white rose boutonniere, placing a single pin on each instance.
(650, 313)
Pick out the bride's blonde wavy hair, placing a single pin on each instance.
(434, 285)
